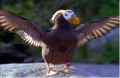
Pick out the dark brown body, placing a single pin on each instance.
(59, 43)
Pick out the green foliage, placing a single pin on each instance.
(40, 11)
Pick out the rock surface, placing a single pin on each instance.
(39, 70)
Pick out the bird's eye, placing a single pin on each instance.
(69, 11)
(66, 14)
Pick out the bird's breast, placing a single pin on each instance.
(60, 40)
(60, 37)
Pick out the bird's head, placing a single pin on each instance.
(68, 15)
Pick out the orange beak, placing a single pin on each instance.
(74, 20)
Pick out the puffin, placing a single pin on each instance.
(60, 41)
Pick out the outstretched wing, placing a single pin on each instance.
(95, 29)
(25, 28)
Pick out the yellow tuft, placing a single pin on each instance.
(55, 14)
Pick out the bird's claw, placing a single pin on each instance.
(66, 70)
(52, 72)
(69, 69)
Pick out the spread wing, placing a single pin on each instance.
(25, 28)
(95, 29)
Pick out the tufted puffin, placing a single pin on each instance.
(59, 42)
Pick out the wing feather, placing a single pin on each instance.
(95, 29)
(26, 29)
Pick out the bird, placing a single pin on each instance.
(59, 42)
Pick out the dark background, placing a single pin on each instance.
(102, 50)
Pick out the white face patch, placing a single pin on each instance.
(67, 14)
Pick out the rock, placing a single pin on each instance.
(39, 70)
